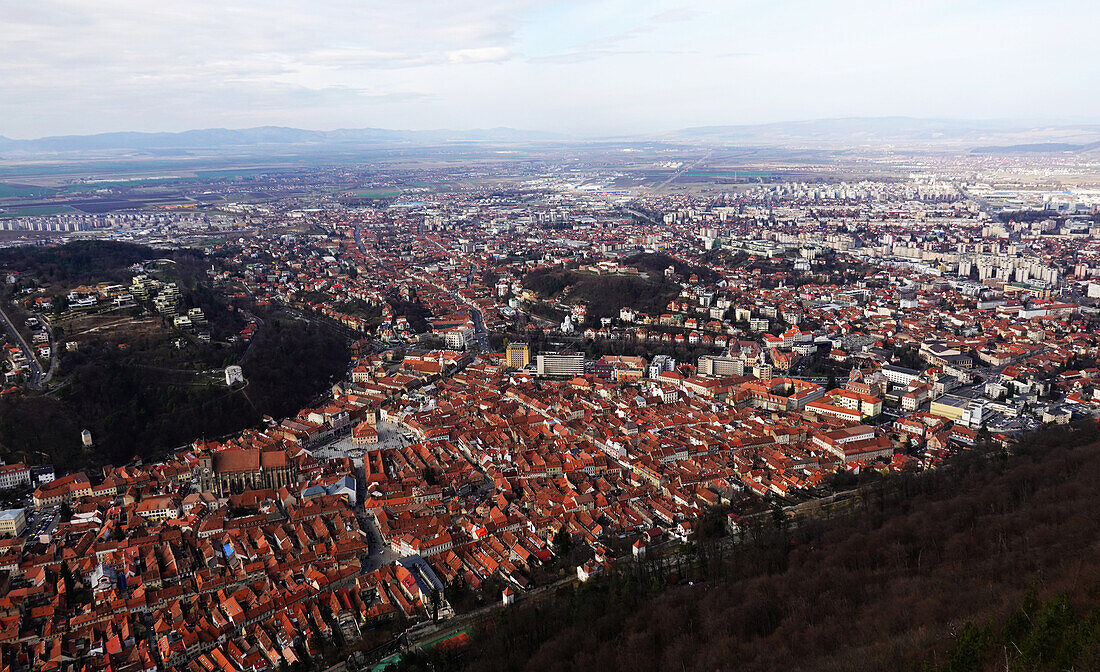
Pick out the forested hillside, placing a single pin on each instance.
(137, 410)
(83, 261)
(142, 386)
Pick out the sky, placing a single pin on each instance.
(581, 68)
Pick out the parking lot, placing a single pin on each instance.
(42, 522)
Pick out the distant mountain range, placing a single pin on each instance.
(223, 138)
(979, 136)
(900, 132)
(1037, 148)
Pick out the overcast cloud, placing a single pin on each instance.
(592, 67)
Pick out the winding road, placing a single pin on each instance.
(35, 381)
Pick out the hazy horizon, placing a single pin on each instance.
(606, 67)
(991, 123)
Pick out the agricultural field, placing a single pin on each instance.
(33, 210)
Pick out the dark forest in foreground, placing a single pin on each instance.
(990, 564)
